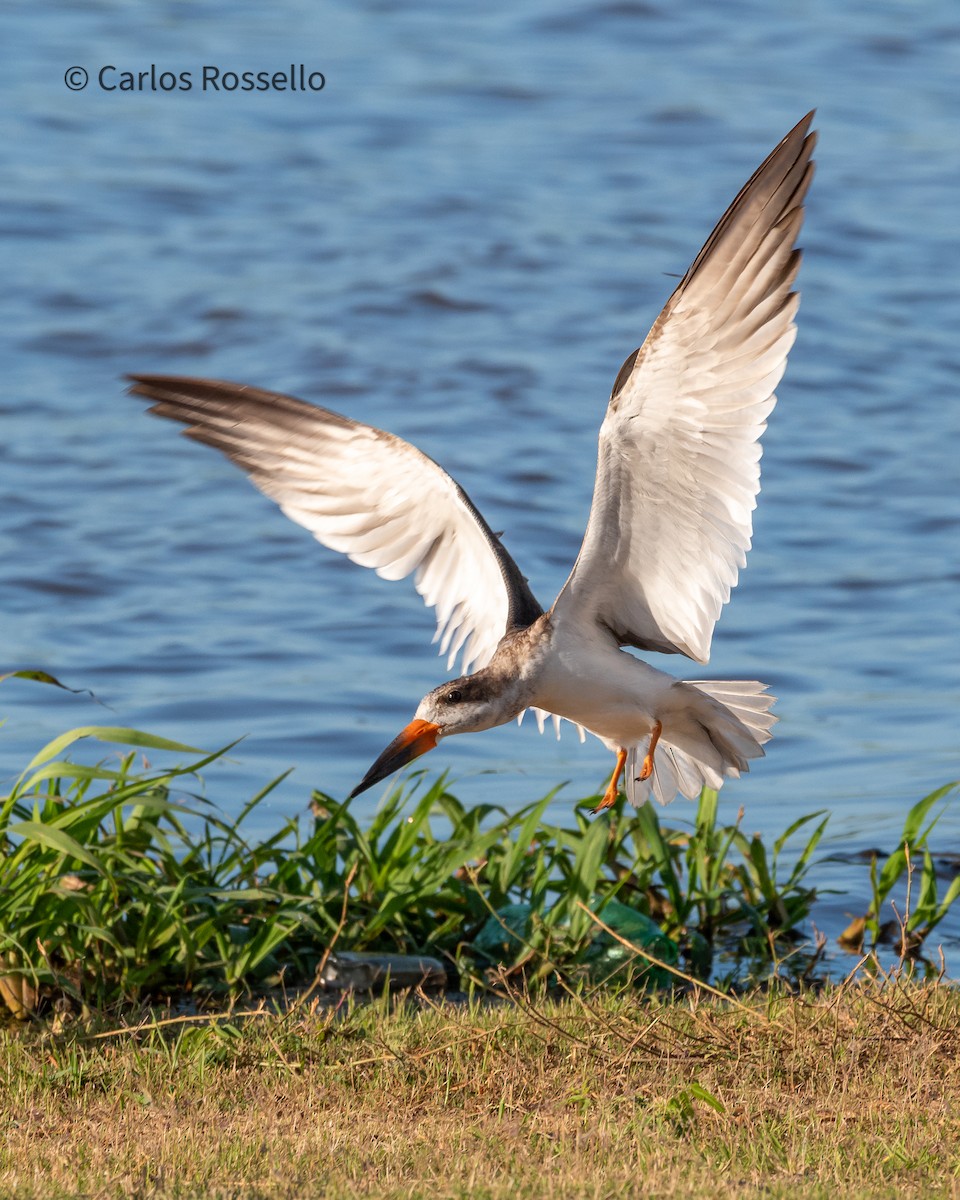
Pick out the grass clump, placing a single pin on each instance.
(118, 883)
(106, 894)
(925, 908)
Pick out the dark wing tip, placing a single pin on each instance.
(176, 395)
(200, 403)
(190, 387)
(153, 386)
(781, 181)
(782, 178)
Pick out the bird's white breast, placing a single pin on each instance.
(584, 676)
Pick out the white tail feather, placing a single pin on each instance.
(709, 733)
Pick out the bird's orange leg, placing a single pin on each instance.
(613, 787)
(647, 769)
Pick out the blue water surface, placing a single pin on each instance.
(460, 238)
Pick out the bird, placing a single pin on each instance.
(670, 522)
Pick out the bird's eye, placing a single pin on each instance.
(454, 696)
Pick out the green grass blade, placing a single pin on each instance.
(56, 839)
(113, 734)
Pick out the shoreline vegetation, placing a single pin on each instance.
(120, 885)
(630, 1006)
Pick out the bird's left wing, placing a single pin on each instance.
(366, 493)
(678, 465)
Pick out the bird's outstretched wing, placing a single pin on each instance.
(366, 493)
(678, 466)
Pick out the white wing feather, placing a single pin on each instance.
(367, 494)
(678, 464)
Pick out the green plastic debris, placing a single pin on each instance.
(502, 934)
(608, 957)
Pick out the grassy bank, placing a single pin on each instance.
(852, 1092)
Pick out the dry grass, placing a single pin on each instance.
(855, 1092)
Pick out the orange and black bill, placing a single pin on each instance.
(418, 737)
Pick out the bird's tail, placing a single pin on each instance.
(710, 731)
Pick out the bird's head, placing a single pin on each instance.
(464, 705)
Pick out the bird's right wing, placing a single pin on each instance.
(366, 493)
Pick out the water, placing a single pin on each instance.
(460, 238)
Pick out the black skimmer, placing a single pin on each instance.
(671, 521)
